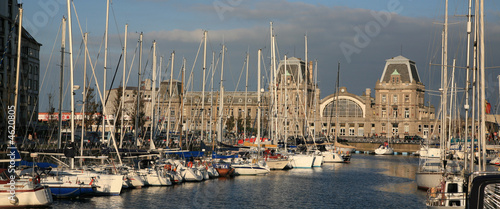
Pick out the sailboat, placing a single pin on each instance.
(14, 190)
(384, 149)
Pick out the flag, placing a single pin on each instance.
(488, 107)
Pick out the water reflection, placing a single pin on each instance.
(367, 182)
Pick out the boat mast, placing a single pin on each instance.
(70, 38)
(123, 86)
(203, 84)
(221, 99)
(170, 96)
(212, 116)
(153, 92)
(475, 84)
(444, 83)
(258, 95)
(105, 69)
(483, 93)
(245, 113)
(138, 96)
(286, 98)
(337, 107)
(61, 81)
(306, 71)
(467, 83)
(84, 95)
(182, 101)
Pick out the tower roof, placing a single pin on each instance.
(400, 66)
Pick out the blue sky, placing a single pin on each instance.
(244, 25)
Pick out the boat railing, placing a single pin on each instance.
(437, 198)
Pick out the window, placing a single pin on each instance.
(407, 98)
(407, 128)
(361, 131)
(384, 112)
(419, 128)
(395, 112)
(342, 131)
(407, 113)
(384, 99)
(383, 128)
(351, 131)
(432, 128)
(395, 98)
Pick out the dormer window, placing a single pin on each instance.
(395, 77)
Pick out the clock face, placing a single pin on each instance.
(342, 90)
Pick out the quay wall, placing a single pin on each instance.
(398, 147)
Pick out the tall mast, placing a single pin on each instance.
(138, 96)
(153, 93)
(245, 113)
(170, 96)
(474, 83)
(123, 86)
(286, 99)
(221, 104)
(212, 115)
(182, 100)
(483, 93)
(18, 64)
(337, 105)
(275, 95)
(61, 81)
(84, 93)
(467, 82)
(258, 95)
(306, 71)
(70, 38)
(105, 69)
(444, 80)
(203, 85)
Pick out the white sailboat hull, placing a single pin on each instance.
(28, 197)
(332, 157)
(278, 164)
(302, 161)
(318, 161)
(426, 180)
(384, 151)
(250, 169)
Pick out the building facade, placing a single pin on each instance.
(397, 109)
(29, 69)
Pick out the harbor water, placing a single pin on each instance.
(369, 181)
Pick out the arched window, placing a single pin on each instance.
(346, 108)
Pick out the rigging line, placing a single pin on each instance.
(113, 80)
(81, 31)
(131, 64)
(116, 24)
(194, 63)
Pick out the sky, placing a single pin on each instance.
(360, 35)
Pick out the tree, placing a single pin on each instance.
(91, 108)
(230, 122)
(240, 123)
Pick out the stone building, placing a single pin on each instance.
(396, 110)
(29, 69)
